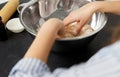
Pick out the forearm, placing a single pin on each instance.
(40, 48)
(43, 42)
(107, 6)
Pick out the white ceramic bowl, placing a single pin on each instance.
(14, 25)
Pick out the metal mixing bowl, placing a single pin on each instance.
(31, 19)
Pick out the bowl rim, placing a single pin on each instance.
(24, 6)
(62, 39)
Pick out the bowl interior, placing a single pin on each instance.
(32, 20)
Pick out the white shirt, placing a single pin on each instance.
(105, 63)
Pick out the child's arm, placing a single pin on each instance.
(43, 42)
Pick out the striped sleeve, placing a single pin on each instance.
(29, 67)
(105, 63)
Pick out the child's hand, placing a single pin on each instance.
(53, 25)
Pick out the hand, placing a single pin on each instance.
(82, 16)
(53, 25)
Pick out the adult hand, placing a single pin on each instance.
(81, 15)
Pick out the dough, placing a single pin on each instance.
(69, 31)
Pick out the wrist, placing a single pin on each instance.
(99, 6)
(95, 6)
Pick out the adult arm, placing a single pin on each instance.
(84, 14)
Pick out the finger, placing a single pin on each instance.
(68, 20)
(79, 26)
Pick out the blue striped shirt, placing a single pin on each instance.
(105, 63)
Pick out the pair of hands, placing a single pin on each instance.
(81, 15)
